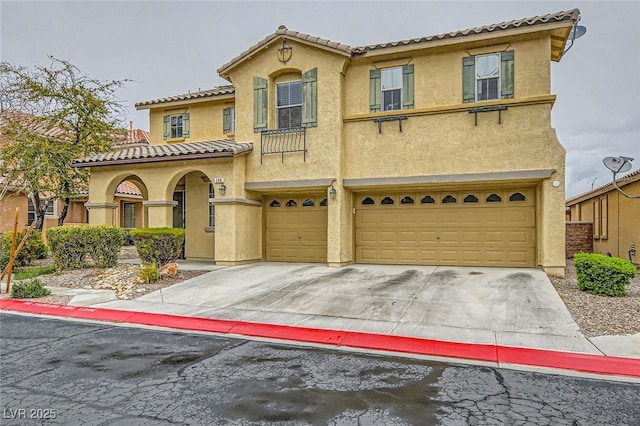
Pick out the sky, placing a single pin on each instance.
(172, 47)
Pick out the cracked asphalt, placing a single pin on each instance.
(72, 373)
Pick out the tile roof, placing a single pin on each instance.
(209, 93)
(282, 31)
(36, 124)
(134, 137)
(177, 151)
(621, 181)
(568, 15)
(127, 188)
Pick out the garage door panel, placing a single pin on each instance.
(482, 233)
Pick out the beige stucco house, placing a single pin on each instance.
(433, 150)
(616, 226)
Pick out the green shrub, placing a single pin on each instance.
(603, 275)
(71, 245)
(159, 245)
(68, 246)
(103, 244)
(36, 271)
(28, 289)
(32, 249)
(149, 273)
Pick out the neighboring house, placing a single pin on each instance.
(129, 212)
(432, 150)
(616, 225)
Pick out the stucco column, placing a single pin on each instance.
(339, 233)
(552, 222)
(238, 231)
(100, 213)
(160, 213)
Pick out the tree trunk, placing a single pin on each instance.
(39, 209)
(65, 210)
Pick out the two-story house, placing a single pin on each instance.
(433, 150)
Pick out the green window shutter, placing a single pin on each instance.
(374, 90)
(226, 120)
(260, 104)
(506, 74)
(185, 125)
(166, 122)
(407, 86)
(469, 79)
(310, 98)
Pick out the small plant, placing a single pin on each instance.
(24, 274)
(603, 275)
(159, 245)
(28, 289)
(149, 273)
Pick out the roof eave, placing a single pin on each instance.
(222, 154)
(213, 97)
(602, 190)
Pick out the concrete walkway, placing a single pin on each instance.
(498, 306)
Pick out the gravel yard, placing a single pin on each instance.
(600, 315)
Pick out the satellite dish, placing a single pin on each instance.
(577, 32)
(617, 164)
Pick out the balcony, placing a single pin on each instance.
(281, 141)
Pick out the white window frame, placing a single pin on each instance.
(124, 214)
(389, 89)
(278, 107)
(212, 207)
(478, 79)
(233, 119)
(171, 126)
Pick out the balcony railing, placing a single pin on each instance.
(281, 141)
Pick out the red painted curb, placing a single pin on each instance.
(494, 353)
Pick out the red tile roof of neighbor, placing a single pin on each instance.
(621, 181)
(343, 49)
(127, 188)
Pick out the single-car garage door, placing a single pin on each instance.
(475, 227)
(296, 229)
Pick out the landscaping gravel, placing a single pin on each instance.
(600, 315)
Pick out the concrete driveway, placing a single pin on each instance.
(505, 306)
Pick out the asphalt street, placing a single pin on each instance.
(72, 373)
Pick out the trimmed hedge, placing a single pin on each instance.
(71, 245)
(158, 245)
(603, 275)
(33, 248)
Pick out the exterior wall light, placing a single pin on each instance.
(332, 193)
(222, 189)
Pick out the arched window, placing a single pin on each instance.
(368, 201)
(449, 199)
(323, 203)
(470, 199)
(291, 203)
(387, 200)
(427, 199)
(517, 196)
(274, 203)
(406, 200)
(308, 203)
(494, 198)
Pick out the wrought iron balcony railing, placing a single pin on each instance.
(281, 141)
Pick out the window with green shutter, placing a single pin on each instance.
(175, 126)
(260, 104)
(391, 88)
(310, 98)
(488, 77)
(229, 120)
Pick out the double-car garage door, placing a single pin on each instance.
(473, 227)
(492, 228)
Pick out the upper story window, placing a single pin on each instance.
(391, 88)
(176, 126)
(296, 102)
(487, 77)
(229, 120)
(289, 104)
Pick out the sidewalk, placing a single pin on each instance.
(268, 301)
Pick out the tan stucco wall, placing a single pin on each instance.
(8, 206)
(205, 121)
(623, 223)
